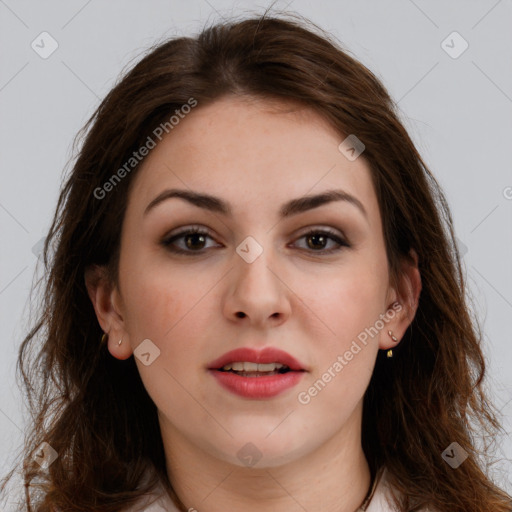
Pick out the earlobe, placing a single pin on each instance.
(118, 349)
(407, 293)
(391, 333)
(102, 294)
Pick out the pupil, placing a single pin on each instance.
(195, 235)
(321, 237)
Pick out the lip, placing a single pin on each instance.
(257, 387)
(251, 355)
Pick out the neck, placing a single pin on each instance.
(333, 478)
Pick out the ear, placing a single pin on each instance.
(107, 304)
(406, 293)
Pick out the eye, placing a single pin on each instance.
(317, 239)
(195, 238)
(194, 241)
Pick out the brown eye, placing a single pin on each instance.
(194, 241)
(317, 240)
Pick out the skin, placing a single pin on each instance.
(256, 155)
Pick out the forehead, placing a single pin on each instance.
(252, 152)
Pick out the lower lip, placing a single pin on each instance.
(257, 387)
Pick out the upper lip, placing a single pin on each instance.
(252, 355)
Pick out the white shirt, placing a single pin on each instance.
(379, 499)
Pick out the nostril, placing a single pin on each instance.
(240, 314)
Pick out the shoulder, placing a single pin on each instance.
(381, 497)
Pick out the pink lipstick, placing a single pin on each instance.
(257, 374)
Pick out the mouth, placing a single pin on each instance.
(257, 374)
(246, 359)
(248, 369)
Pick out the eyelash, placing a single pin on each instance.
(168, 242)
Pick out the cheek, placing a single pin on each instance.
(159, 306)
(173, 318)
(346, 304)
(168, 314)
(155, 295)
(345, 351)
(344, 301)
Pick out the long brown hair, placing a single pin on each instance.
(93, 409)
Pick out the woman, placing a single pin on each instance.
(250, 221)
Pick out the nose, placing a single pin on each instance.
(257, 292)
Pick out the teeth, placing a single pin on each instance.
(252, 367)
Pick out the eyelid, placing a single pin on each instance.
(321, 227)
(186, 229)
(304, 231)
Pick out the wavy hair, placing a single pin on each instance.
(94, 410)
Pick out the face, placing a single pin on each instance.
(308, 281)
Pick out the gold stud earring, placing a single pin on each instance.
(389, 353)
(120, 341)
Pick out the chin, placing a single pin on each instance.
(259, 452)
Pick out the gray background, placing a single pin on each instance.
(458, 111)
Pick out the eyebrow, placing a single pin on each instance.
(292, 207)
